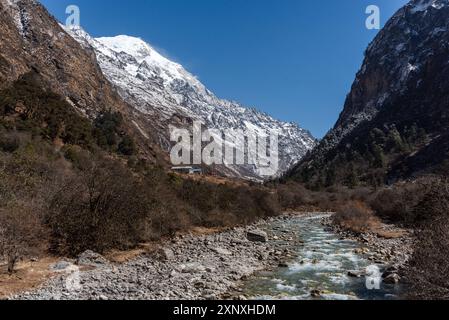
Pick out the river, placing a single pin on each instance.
(321, 269)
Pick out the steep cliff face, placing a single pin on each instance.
(33, 41)
(398, 105)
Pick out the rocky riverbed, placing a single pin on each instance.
(293, 257)
(188, 267)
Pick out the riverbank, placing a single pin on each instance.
(295, 256)
(187, 267)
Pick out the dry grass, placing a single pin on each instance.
(119, 256)
(27, 275)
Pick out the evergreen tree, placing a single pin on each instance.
(127, 146)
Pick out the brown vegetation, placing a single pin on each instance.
(92, 192)
(397, 203)
(27, 275)
(423, 205)
(68, 184)
(72, 200)
(429, 267)
(356, 216)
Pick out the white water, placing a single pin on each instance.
(322, 264)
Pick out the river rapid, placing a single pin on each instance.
(326, 267)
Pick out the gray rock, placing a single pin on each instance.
(222, 251)
(210, 269)
(193, 268)
(60, 266)
(165, 254)
(261, 257)
(257, 236)
(90, 258)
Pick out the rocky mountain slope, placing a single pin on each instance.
(162, 89)
(32, 41)
(395, 119)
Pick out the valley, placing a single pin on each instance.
(94, 207)
(298, 259)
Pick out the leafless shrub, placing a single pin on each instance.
(101, 208)
(429, 267)
(293, 195)
(21, 233)
(24, 188)
(355, 216)
(397, 203)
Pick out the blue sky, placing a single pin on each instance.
(294, 59)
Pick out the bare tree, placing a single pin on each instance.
(20, 233)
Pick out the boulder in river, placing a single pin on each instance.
(355, 274)
(257, 236)
(316, 293)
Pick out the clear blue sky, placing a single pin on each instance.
(294, 59)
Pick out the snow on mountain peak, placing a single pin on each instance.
(145, 55)
(157, 86)
(424, 5)
(137, 48)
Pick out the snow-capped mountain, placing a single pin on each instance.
(160, 88)
(402, 87)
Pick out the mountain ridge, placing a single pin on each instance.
(159, 87)
(396, 108)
